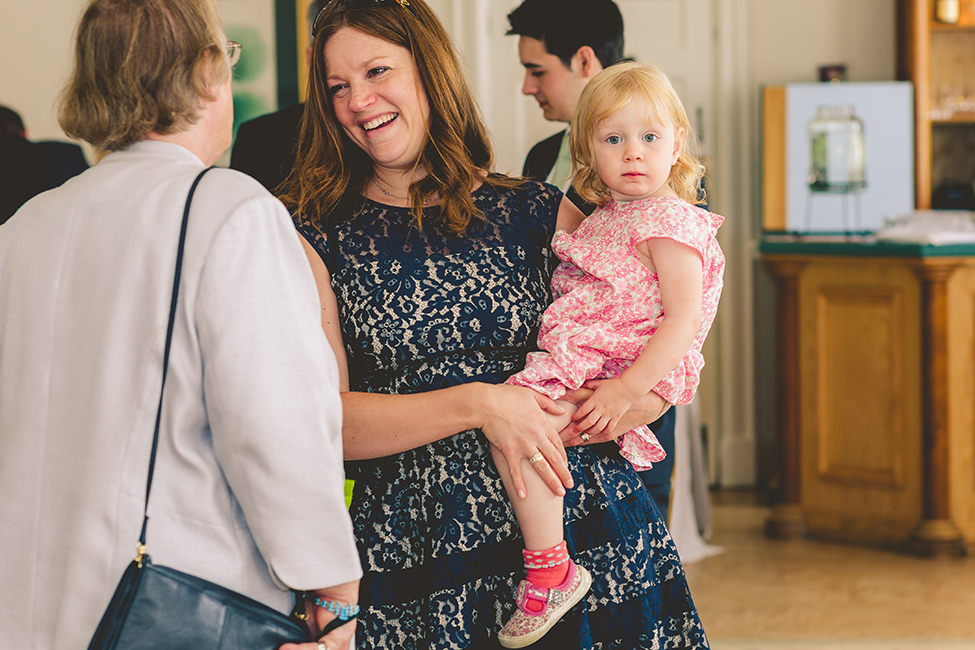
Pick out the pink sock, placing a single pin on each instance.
(546, 568)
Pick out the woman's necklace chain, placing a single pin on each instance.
(383, 190)
(426, 201)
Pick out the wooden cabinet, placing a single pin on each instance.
(876, 393)
(939, 59)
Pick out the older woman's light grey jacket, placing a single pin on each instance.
(248, 490)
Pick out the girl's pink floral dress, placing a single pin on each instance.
(607, 305)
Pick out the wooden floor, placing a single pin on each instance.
(804, 595)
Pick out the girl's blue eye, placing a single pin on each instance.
(650, 137)
(614, 139)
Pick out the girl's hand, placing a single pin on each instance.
(645, 410)
(515, 422)
(604, 408)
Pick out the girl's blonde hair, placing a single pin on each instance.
(606, 95)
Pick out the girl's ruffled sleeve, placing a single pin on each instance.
(679, 386)
(677, 220)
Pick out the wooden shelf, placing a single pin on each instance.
(935, 57)
(956, 27)
(958, 118)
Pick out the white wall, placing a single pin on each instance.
(789, 39)
(768, 42)
(757, 42)
(35, 47)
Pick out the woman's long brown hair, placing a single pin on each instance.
(458, 150)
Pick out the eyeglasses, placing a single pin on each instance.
(357, 4)
(233, 52)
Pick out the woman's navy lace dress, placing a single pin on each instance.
(439, 543)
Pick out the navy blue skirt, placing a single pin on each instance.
(441, 551)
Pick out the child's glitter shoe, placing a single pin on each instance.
(526, 627)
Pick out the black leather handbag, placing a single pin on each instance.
(158, 608)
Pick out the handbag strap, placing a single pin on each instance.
(169, 341)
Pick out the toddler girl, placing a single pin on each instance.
(635, 296)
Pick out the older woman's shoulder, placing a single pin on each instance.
(247, 185)
(226, 194)
(237, 188)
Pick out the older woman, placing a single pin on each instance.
(248, 486)
(433, 274)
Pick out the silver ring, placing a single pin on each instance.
(585, 437)
(323, 646)
(537, 457)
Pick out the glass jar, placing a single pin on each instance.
(837, 152)
(946, 11)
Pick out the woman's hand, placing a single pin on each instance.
(341, 637)
(515, 422)
(645, 410)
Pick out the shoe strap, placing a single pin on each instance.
(535, 592)
(527, 590)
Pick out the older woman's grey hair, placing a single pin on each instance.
(141, 66)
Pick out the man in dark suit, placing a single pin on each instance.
(562, 45)
(265, 146)
(29, 168)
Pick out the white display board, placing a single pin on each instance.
(886, 110)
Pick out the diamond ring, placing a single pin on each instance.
(537, 457)
(585, 437)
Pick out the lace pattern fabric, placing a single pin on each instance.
(440, 547)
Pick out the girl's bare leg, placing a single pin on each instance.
(539, 514)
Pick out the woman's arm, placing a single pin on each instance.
(569, 216)
(375, 425)
(330, 312)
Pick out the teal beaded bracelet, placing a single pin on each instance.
(343, 612)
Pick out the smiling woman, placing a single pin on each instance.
(379, 101)
(433, 273)
(449, 163)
